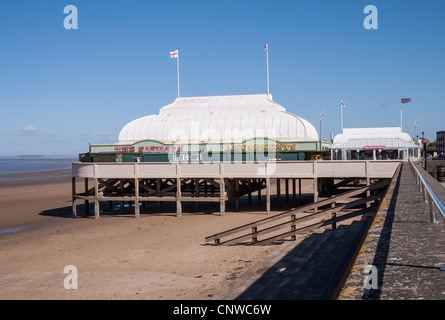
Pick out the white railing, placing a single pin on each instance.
(428, 195)
(278, 169)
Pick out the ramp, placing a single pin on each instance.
(296, 221)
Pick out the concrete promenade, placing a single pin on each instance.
(405, 247)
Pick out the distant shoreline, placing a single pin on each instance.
(36, 173)
(37, 157)
(42, 175)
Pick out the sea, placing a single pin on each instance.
(31, 169)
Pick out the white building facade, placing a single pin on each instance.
(384, 143)
(215, 128)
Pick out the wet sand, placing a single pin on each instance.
(157, 256)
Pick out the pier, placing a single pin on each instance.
(139, 182)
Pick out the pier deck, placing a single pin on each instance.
(215, 182)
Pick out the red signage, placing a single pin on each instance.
(149, 148)
(373, 147)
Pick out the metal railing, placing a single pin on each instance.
(428, 195)
(308, 217)
(377, 169)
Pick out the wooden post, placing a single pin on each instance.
(368, 193)
(178, 198)
(249, 181)
(293, 227)
(299, 187)
(158, 192)
(294, 193)
(86, 203)
(137, 212)
(268, 195)
(287, 189)
(73, 188)
(121, 182)
(196, 184)
(279, 192)
(376, 201)
(315, 193)
(222, 203)
(260, 184)
(236, 181)
(254, 235)
(96, 199)
(334, 217)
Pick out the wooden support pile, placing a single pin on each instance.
(140, 191)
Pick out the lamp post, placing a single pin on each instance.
(321, 117)
(415, 128)
(424, 150)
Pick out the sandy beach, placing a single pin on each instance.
(157, 256)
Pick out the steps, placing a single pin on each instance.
(313, 269)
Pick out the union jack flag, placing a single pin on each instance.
(406, 100)
(265, 47)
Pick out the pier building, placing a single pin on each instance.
(374, 144)
(213, 129)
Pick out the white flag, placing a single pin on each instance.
(174, 54)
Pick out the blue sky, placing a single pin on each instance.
(62, 89)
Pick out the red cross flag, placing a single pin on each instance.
(174, 54)
(342, 103)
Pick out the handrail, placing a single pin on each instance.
(432, 199)
(375, 169)
(297, 214)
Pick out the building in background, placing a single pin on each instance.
(374, 144)
(214, 129)
(440, 141)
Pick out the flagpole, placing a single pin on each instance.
(401, 104)
(267, 62)
(341, 113)
(177, 67)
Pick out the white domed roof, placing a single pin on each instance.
(374, 133)
(219, 119)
